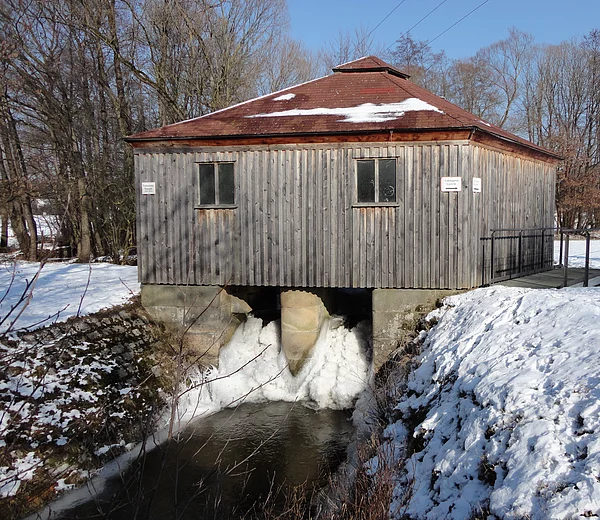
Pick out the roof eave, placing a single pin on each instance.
(522, 144)
(244, 137)
(241, 137)
(289, 134)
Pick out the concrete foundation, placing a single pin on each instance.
(395, 315)
(303, 313)
(200, 315)
(206, 316)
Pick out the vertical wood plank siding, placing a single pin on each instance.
(296, 224)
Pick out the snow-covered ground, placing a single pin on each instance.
(509, 388)
(577, 253)
(48, 227)
(507, 396)
(55, 394)
(61, 290)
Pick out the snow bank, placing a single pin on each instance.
(509, 385)
(62, 290)
(70, 394)
(252, 368)
(11, 479)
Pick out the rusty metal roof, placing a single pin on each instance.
(366, 95)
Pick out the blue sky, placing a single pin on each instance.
(549, 21)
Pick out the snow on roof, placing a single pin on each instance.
(365, 113)
(368, 93)
(284, 97)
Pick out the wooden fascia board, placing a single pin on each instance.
(434, 135)
(473, 134)
(498, 143)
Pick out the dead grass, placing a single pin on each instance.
(367, 487)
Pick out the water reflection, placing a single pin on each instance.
(227, 465)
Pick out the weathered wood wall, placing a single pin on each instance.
(296, 222)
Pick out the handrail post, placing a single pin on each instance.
(482, 261)
(566, 261)
(542, 251)
(586, 272)
(560, 255)
(520, 265)
(492, 259)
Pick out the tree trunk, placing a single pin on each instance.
(31, 226)
(84, 247)
(19, 228)
(15, 172)
(4, 226)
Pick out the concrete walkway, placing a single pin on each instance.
(554, 279)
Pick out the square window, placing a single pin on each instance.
(376, 180)
(216, 184)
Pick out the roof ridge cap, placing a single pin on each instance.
(376, 65)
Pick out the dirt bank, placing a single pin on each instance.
(72, 396)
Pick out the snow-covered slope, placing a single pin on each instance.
(60, 291)
(509, 385)
(506, 399)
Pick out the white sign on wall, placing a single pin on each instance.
(451, 183)
(148, 188)
(476, 184)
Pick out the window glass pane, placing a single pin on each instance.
(226, 184)
(365, 178)
(207, 184)
(387, 180)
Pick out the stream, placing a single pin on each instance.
(238, 462)
(232, 464)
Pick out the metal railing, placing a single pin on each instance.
(563, 257)
(512, 253)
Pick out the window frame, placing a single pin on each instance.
(217, 204)
(377, 188)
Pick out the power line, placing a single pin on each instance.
(425, 17)
(357, 46)
(456, 23)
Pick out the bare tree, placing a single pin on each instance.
(425, 67)
(348, 46)
(504, 65)
(15, 186)
(562, 113)
(289, 63)
(471, 89)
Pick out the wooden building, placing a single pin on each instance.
(358, 179)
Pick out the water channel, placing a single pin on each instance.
(236, 462)
(233, 464)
